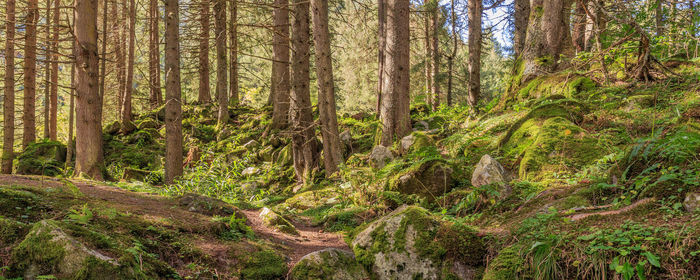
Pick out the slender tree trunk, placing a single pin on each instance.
(221, 78)
(279, 89)
(53, 100)
(522, 14)
(89, 156)
(47, 68)
(204, 89)
(121, 61)
(29, 116)
(474, 83)
(451, 58)
(395, 115)
(659, 17)
(155, 94)
(233, 53)
(381, 38)
(326, 93)
(173, 105)
(8, 141)
(71, 109)
(436, 55)
(304, 146)
(428, 60)
(129, 87)
(579, 28)
(103, 60)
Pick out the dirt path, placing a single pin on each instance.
(630, 207)
(166, 210)
(310, 238)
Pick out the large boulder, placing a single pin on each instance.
(410, 243)
(42, 158)
(415, 141)
(380, 156)
(331, 263)
(692, 202)
(277, 222)
(489, 171)
(430, 179)
(48, 250)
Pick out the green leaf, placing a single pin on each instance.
(653, 259)
(640, 270)
(627, 271)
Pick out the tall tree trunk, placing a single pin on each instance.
(547, 39)
(221, 82)
(579, 28)
(381, 38)
(522, 14)
(395, 114)
(436, 55)
(428, 59)
(659, 17)
(304, 145)
(129, 87)
(47, 68)
(8, 140)
(279, 88)
(89, 156)
(474, 83)
(29, 116)
(53, 100)
(233, 53)
(71, 109)
(451, 58)
(204, 89)
(103, 49)
(155, 94)
(121, 60)
(326, 93)
(173, 105)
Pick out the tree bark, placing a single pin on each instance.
(71, 109)
(381, 54)
(428, 60)
(395, 114)
(326, 93)
(304, 145)
(279, 88)
(129, 87)
(474, 83)
(173, 105)
(233, 54)
(156, 95)
(103, 49)
(29, 116)
(436, 55)
(579, 28)
(89, 155)
(53, 100)
(522, 14)
(451, 58)
(221, 78)
(204, 89)
(8, 141)
(47, 67)
(548, 37)
(659, 17)
(121, 60)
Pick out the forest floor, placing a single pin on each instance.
(158, 208)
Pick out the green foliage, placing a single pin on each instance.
(83, 216)
(236, 229)
(264, 265)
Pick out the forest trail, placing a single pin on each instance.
(159, 208)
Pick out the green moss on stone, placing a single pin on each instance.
(506, 266)
(264, 265)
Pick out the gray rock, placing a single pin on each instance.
(331, 263)
(207, 205)
(346, 137)
(432, 179)
(277, 222)
(249, 171)
(489, 171)
(251, 144)
(421, 126)
(692, 202)
(380, 156)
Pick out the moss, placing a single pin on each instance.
(11, 231)
(264, 265)
(19, 204)
(507, 265)
(44, 157)
(37, 254)
(328, 264)
(579, 85)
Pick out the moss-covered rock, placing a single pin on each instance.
(332, 264)
(148, 123)
(380, 156)
(506, 266)
(48, 250)
(429, 179)
(276, 221)
(207, 205)
(415, 141)
(45, 157)
(10, 231)
(264, 265)
(410, 243)
(310, 199)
